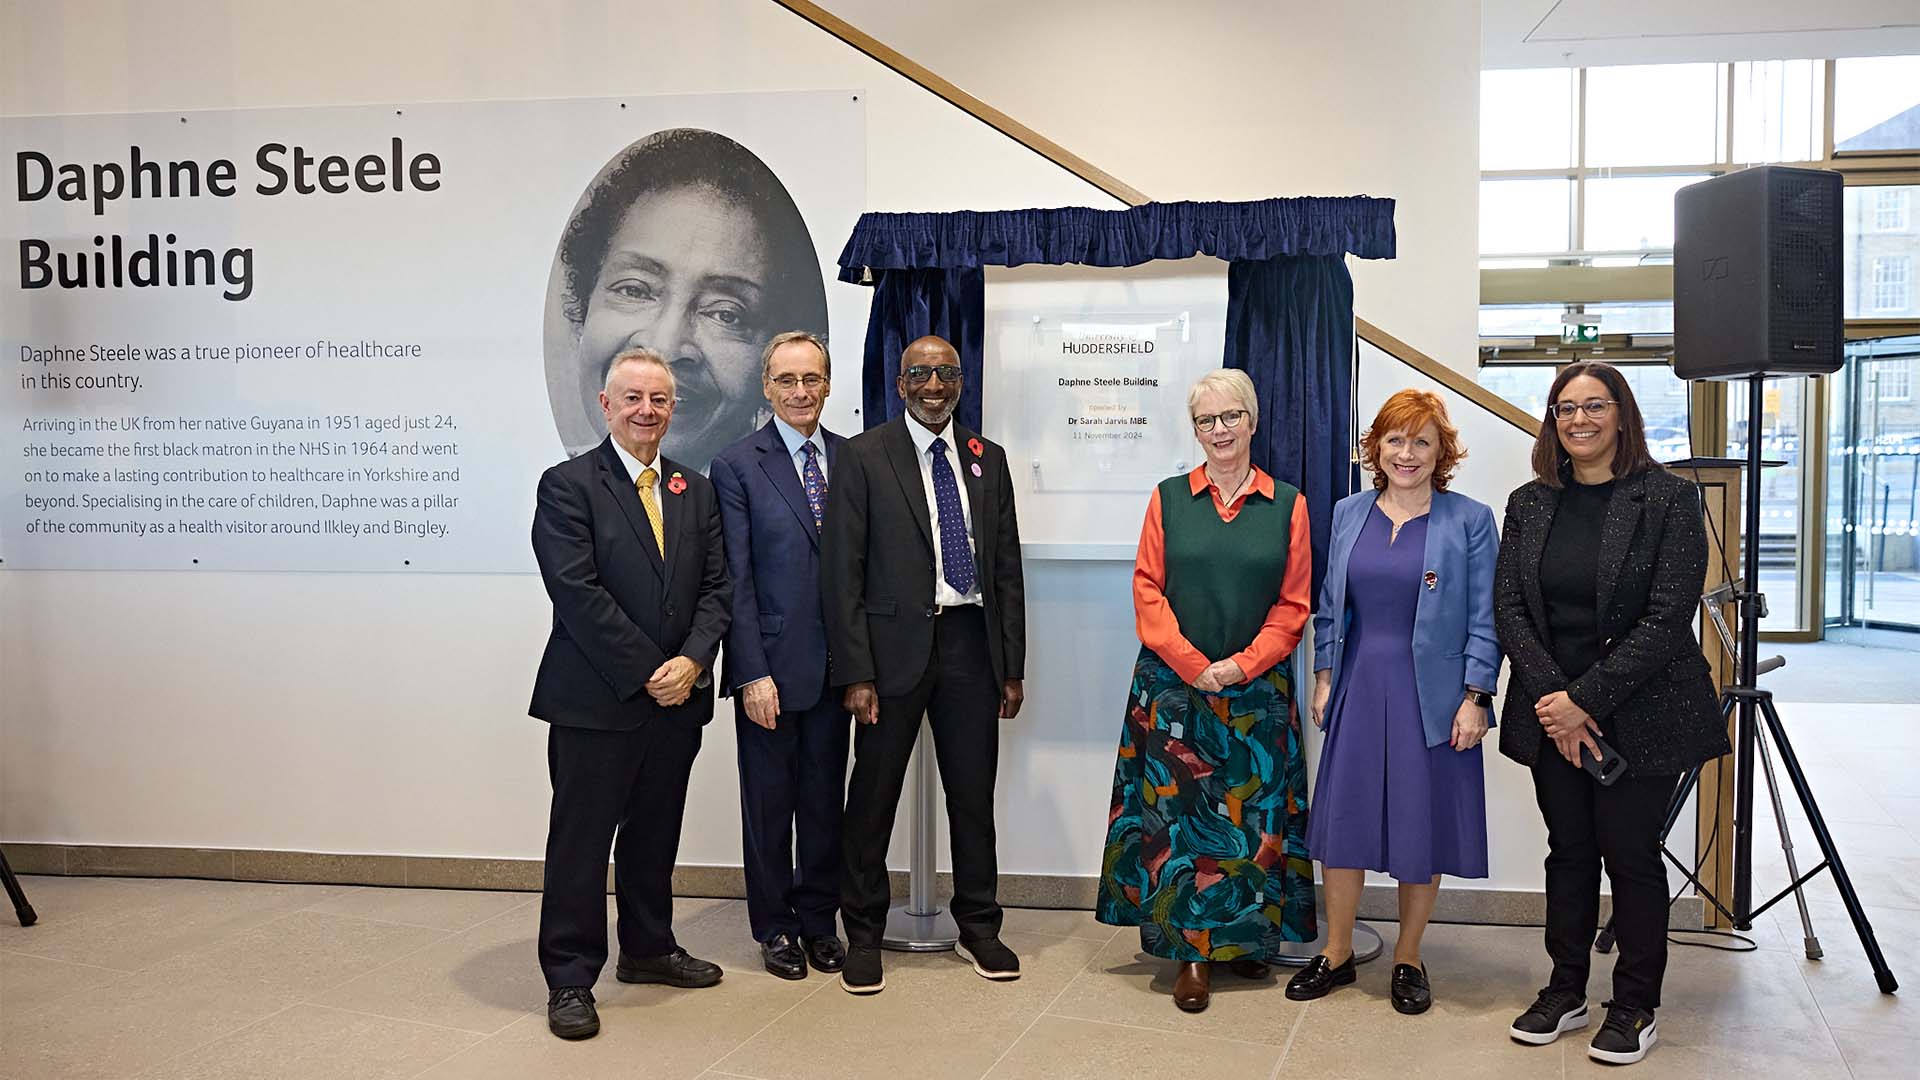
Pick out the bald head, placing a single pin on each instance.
(931, 349)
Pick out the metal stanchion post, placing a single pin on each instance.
(920, 924)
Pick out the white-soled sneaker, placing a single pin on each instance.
(1552, 1014)
(1626, 1036)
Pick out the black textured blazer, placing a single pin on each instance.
(1652, 686)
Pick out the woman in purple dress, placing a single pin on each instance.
(1406, 658)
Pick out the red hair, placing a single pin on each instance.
(1409, 411)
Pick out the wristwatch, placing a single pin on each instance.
(1480, 697)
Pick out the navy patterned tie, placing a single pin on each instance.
(815, 483)
(956, 556)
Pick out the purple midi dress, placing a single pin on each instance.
(1384, 800)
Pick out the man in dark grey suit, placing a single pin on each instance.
(629, 547)
(926, 614)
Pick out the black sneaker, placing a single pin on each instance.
(991, 959)
(570, 1013)
(1551, 1015)
(861, 973)
(1626, 1036)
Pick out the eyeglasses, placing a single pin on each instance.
(1595, 409)
(918, 374)
(1230, 419)
(788, 382)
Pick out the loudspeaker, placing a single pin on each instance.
(1757, 274)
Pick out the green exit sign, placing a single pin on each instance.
(1580, 333)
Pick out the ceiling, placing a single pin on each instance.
(1547, 33)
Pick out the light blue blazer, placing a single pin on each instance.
(1454, 645)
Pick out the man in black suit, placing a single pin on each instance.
(791, 727)
(629, 546)
(926, 613)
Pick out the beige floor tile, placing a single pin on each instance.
(478, 980)
(321, 1043)
(28, 982)
(645, 1032)
(1879, 1057)
(935, 1013)
(1905, 811)
(134, 1022)
(1843, 983)
(1122, 985)
(723, 937)
(1347, 1034)
(62, 902)
(1689, 1052)
(1058, 1048)
(148, 925)
(308, 953)
(1059, 923)
(440, 909)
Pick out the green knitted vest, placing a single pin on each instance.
(1223, 578)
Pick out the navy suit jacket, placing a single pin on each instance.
(773, 553)
(1454, 644)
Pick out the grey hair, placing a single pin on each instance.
(641, 355)
(1230, 382)
(788, 338)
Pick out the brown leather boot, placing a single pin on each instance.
(1193, 987)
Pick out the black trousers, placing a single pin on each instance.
(1588, 825)
(793, 783)
(629, 783)
(961, 702)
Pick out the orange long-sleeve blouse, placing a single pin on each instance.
(1153, 616)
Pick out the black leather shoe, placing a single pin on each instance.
(1412, 994)
(826, 954)
(1248, 968)
(1318, 979)
(570, 1013)
(862, 974)
(675, 969)
(781, 955)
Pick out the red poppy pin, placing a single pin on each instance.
(678, 484)
(979, 449)
(1431, 579)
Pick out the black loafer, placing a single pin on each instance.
(781, 955)
(826, 954)
(1319, 978)
(570, 1013)
(1247, 967)
(1412, 994)
(674, 969)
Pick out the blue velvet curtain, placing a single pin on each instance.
(1290, 328)
(910, 304)
(1289, 304)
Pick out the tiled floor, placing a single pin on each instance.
(133, 977)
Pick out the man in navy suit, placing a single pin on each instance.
(629, 547)
(791, 727)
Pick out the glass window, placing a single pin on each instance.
(1520, 320)
(1780, 490)
(1631, 213)
(1650, 317)
(1876, 104)
(1895, 381)
(1526, 118)
(1663, 114)
(1776, 110)
(1873, 475)
(1890, 209)
(1526, 216)
(1891, 289)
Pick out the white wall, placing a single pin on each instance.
(385, 714)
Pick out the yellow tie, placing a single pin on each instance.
(647, 479)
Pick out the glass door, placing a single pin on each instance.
(1873, 488)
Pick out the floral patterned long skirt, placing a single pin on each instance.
(1206, 839)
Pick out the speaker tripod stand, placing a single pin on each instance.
(1755, 718)
(21, 909)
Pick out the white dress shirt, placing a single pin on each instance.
(794, 440)
(634, 465)
(944, 594)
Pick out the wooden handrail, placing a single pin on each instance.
(1132, 196)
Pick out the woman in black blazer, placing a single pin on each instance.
(1602, 562)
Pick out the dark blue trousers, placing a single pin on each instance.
(792, 791)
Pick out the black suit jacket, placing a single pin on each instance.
(619, 609)
(1652, 687)
(876, 570)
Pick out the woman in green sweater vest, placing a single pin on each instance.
(1206, 837)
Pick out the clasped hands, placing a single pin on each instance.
(1219, 675)
(1568, 725)
(672, 681)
